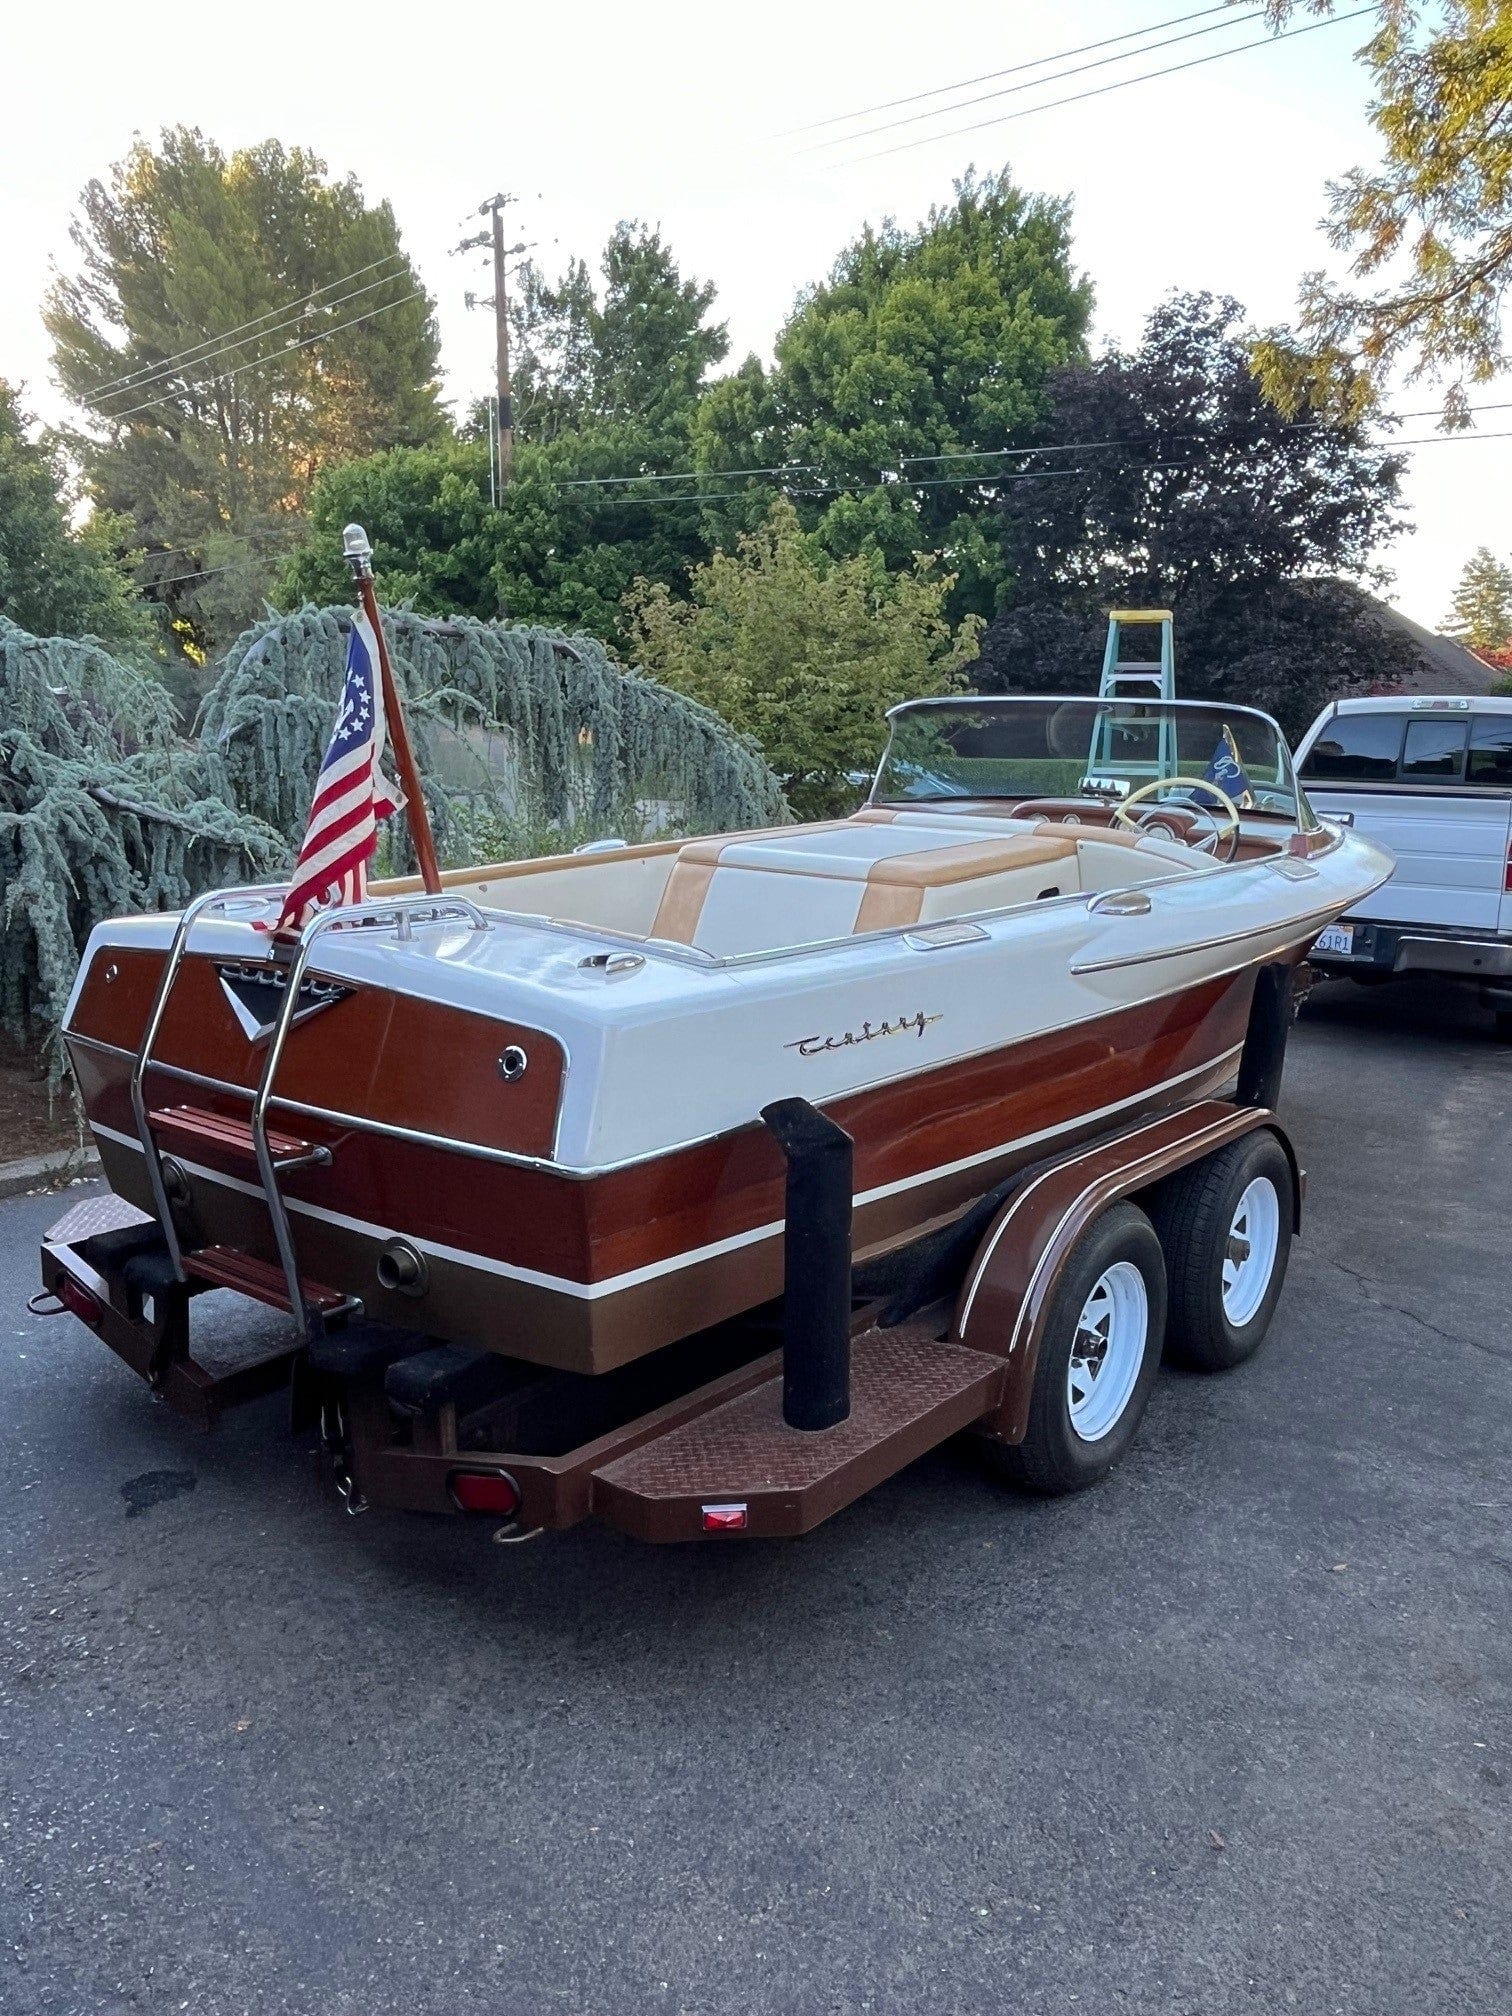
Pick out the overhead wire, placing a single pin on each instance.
(1234, 19)
(1102, 90)
(169, 372)
(256, 363)
(1129, 440)
(689, 475)
(914, 482)
(1013, 70)
(995, 478)
(145, 372)
(1013, 476)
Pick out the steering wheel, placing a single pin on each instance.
(1224, 832)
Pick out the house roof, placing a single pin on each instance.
(1443, 666)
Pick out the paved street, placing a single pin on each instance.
(1231, 1733)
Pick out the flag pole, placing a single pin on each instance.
(358, 555)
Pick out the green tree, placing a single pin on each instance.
(606, 387)
(1481, 612)
(560, 548)
(56, 582)
(638, 350)
(924, 342)
(551, 350)
(1175, 482)
(237, 324)
(1429, 232)
(801, 651)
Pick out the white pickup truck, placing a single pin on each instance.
(1432, 780)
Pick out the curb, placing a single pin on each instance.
(47, 1172)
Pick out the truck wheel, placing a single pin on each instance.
(1225, 1226)
(1098, 1357)
(1502, 1026)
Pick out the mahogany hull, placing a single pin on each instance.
(586, 1270)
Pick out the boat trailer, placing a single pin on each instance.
(761, 1427)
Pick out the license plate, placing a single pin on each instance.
(1337, 938)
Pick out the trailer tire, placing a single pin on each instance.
(1112, 1290)
(1242, 1196)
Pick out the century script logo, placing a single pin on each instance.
(815, 1046)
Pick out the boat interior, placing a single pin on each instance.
(885, 868)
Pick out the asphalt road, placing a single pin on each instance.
(1232, 1732)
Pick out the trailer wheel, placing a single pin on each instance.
(1225, 1225)
(1098, 1357)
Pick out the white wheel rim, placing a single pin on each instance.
(1249, 1253)
(1111, 1333)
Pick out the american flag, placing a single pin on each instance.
(351, 793)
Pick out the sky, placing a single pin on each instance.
(684, 115)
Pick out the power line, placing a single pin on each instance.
(147, 371)
(690, 475)
(1007, 476)
(1101, 90)
(1013, 70)
(1138, 440)
(1033, 84)
(1003, 477)
(200, 574)
(273, 356)
(237, 343)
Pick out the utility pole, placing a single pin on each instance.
(501, 339)
(494, 209)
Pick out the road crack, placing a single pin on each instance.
(1377, 1301)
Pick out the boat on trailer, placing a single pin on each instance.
(529, 1157)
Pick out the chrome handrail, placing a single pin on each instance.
(402, 913)
(211, 900)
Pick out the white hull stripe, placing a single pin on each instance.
(615, 1284)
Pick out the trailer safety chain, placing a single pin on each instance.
(338, 1448)
(515, 1535)
(35, 1304)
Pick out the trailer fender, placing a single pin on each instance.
(1011, 1282)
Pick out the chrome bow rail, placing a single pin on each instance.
(400, 914)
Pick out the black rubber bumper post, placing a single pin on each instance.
(816, 1302)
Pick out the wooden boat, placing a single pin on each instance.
(525, 1113)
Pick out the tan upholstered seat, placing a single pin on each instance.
(803, 885)
(944, 881)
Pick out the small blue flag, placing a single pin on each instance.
(1227, 772)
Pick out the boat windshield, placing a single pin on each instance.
(1098, 749)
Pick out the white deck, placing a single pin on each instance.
(691, 1039)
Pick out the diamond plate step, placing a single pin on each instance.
(908, 1393)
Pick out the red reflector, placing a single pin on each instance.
(485, 1491)
(88, 1308)
(724, 1518)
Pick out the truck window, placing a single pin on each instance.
(1434, 751)
(1490, 750)
(1356, 748)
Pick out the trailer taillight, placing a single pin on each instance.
(79, 1302)
(725, 1518)
(484, 1491)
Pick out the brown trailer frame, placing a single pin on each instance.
(715, 1456)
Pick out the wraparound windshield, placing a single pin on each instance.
(1035, 748)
